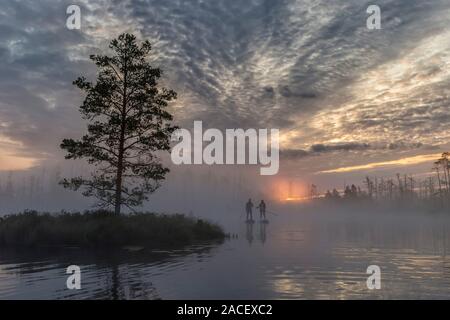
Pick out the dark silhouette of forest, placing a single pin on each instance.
(402, 190)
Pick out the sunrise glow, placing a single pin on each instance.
(399, 162)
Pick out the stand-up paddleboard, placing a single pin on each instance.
(249, 221)
(264, 221)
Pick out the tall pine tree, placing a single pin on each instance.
(127, 126)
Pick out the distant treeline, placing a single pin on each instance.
(431, 192)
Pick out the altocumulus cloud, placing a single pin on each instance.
(310, 68)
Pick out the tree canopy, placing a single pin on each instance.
(127, 125)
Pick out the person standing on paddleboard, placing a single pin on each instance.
(248, 209)
(262, 210)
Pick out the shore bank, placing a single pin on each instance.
(102, 228)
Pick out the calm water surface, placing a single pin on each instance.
(295, 256)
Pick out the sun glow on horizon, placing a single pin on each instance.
(297, 199)
(289, 190)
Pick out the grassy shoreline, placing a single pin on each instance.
(102, 228)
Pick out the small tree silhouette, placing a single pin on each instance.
(128, 124)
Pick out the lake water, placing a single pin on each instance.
(306, 255)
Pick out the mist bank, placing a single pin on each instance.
(214, 193)
(366, 206)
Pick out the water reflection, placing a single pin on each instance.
(298, 256)
(262, 231)
(249, 233)
(105, 275)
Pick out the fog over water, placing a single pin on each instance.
(309, 249)
(201, 190)
(301, 253)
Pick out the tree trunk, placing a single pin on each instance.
(118, 198)
(440, 185)
(446, 169)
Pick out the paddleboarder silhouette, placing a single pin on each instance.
(248, 210)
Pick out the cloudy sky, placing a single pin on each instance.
(347, 100)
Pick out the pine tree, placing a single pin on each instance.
(128, 125)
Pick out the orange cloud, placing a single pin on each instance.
(12, 163)
(399, 162)
(11, 158)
